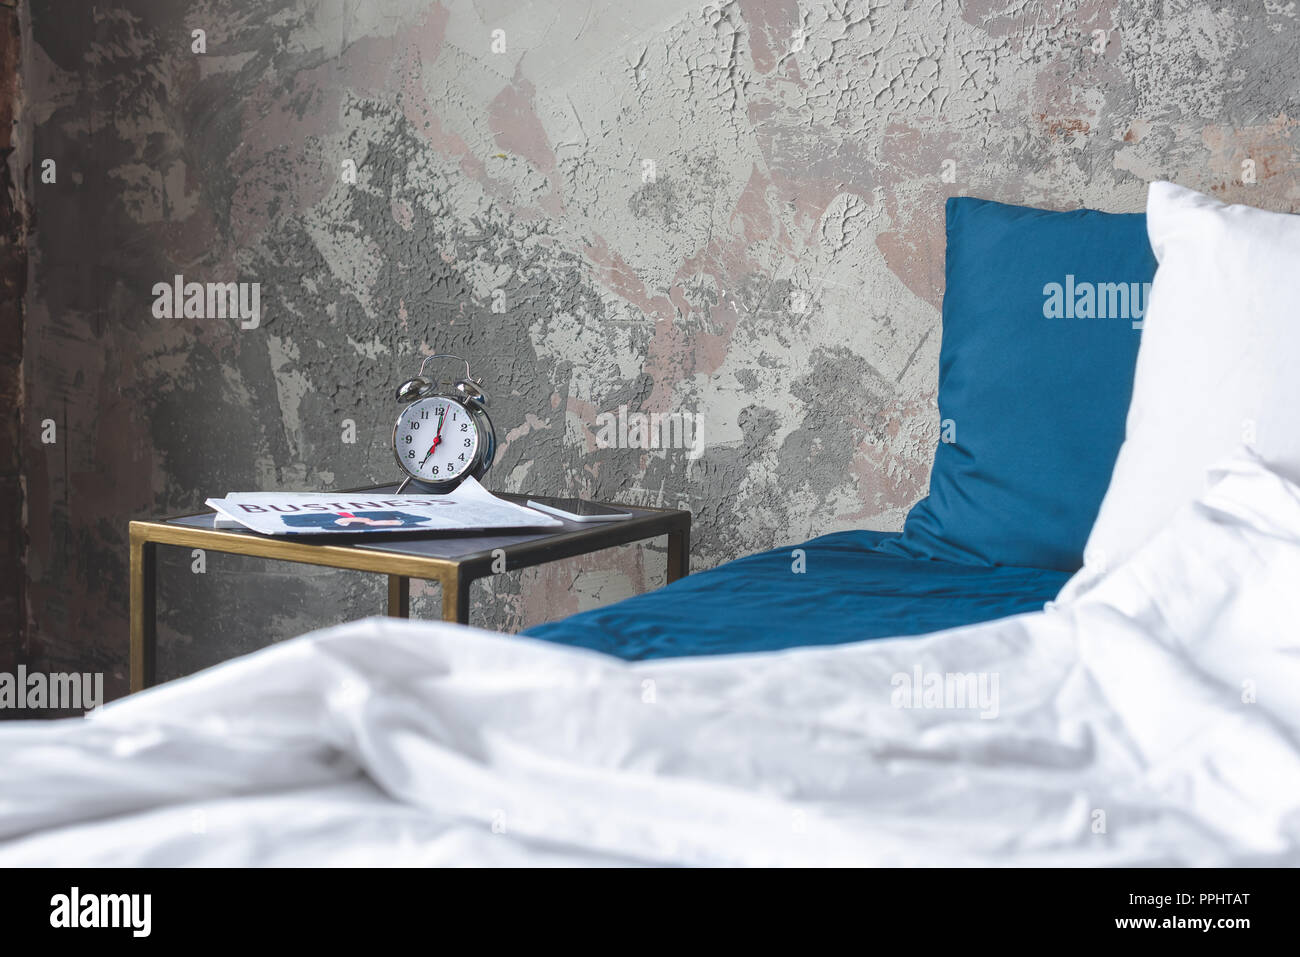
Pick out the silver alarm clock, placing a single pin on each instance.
(442, 435)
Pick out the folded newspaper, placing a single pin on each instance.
(469, 507)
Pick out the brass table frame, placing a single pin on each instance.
(453, 574)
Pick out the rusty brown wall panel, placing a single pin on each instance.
(13, 276)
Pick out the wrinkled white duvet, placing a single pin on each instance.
(1156, 720)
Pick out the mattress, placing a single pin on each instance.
(842, 588)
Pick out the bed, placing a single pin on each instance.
(1117, 733)
(960, 693)
(849, 588)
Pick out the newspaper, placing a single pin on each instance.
(469, 507)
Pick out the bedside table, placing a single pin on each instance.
(453, 559)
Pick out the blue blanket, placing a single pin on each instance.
(847, 591)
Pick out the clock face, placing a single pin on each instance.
(436, 440)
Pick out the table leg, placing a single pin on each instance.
(679, 554)
(144, 620)
(455, 598)
(399, 596)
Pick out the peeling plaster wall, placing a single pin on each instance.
(778, 271)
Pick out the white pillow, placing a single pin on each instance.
(1218, 366)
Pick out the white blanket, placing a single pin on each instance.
(1155, 721)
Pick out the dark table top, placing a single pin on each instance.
(459, 545)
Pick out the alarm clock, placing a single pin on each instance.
(442, 436)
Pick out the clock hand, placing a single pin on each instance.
(436, 439)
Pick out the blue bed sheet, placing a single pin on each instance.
(849, 591)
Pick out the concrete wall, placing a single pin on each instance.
(730, 209)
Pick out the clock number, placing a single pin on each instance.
(424, 413)
(462, 456)
(435, 470)
(414, 424)
(464, 426)
(467, 443)
(407, 438)
(411, 454)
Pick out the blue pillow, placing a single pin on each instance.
(1035, 372)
